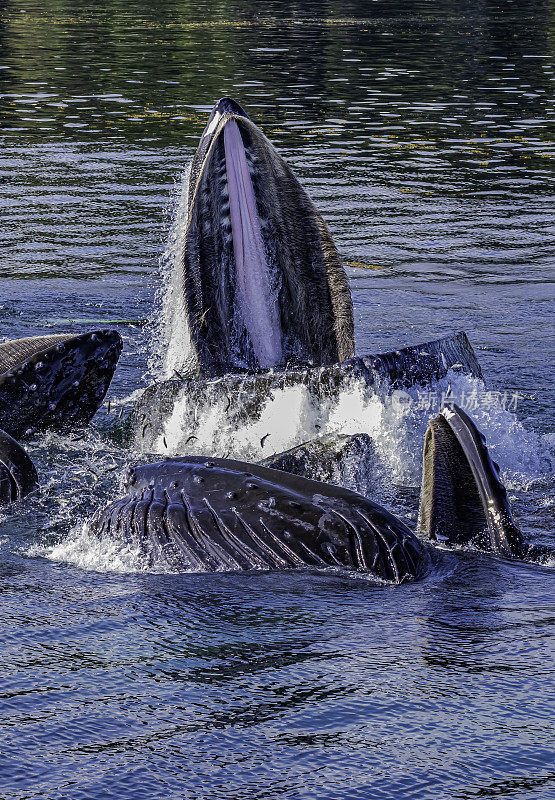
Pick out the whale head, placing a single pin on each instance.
(463, 501)
(55, 382)
(263, 284)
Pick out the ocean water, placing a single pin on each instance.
(423, 131)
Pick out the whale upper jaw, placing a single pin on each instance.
(463, 501)
(225, 109)
(224, 106)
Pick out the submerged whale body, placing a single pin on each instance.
(344, 460)
(262, 281)
(55, 382)
(197, 514)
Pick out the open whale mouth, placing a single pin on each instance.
(463, 500)
(263, 282)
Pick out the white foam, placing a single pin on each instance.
(396, 422)
(82, 550)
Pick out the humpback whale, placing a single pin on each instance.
(261, 291)
(343, 460)
(242, 253)
(198, 514)
(263, 284)
(243, 395)
(266, 301)
(463, 501)
(55, 382)
(195, 513)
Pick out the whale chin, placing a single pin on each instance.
(195, 514)
(263, 284)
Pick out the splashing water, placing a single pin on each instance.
(83, 550)
(396, 422)
(171, 337)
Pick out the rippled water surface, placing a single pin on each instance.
(424, 132)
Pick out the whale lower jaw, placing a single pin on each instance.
(18, 476)
(194, 514)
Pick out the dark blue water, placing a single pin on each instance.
(424, 133)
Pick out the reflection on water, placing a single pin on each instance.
(423, 130)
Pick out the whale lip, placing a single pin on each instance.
(463, 499)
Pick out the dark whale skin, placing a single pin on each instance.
(463, 500)
(202, 514)
(18, 476)
(309, 287)
(55, 382)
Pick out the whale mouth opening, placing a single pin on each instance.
(463, 501)
(245, 292)
(248, 286)
(256, 297)
(263, 282)
(18, 476)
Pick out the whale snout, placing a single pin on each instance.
(227, 105)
